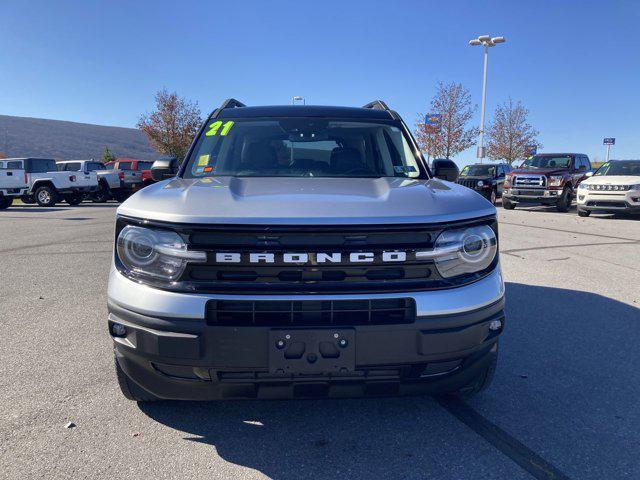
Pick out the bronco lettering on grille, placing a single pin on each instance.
(312, 258)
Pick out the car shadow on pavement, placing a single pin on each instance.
(563, 354)
(27, 208)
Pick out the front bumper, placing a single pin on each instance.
(182, 357)
(628, 202)
(521, 195)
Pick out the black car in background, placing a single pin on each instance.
(487, 179)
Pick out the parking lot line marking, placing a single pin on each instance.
(526, 458)
(574, 232)
(547, 247)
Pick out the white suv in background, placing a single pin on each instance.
(614, 187)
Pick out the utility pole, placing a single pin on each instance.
(487, 42)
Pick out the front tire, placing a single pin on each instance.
(121, 196)
(5, 202)
(564, 203)
(493, 197)
(130, 389)
(508, 205)
(584, 213)
(102, 194)
(46, 196)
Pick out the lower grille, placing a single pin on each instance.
(467, 182)
(532, 193)
(603, 203)
(310, 312)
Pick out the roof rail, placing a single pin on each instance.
(231, 103)
(377, 105)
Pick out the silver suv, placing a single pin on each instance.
(304, 251)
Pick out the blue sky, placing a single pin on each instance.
(575, 65)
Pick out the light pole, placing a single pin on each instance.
(298, 98)
(486, 41)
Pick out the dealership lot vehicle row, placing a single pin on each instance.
(567, 386)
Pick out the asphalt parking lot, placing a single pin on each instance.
(564, 403)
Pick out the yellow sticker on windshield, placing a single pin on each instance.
(203, 160)
(214, 128)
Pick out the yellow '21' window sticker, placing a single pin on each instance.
(214, 128)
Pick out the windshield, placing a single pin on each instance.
(544, 161)
(302, 147)
(620, 168)
(478, 171)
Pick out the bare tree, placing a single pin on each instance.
(173, 125)
(453, 103)
(509, 133)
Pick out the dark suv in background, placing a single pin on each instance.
(486, 179)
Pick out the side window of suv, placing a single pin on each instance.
(586, 162)
(72, 167)
(40, 165)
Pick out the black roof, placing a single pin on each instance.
(305, 111)
(556, 154)
(487, 164)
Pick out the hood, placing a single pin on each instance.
(539, 171)
(305, 200)
(613, 180)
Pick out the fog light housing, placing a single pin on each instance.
(118, 330)
(495, 325)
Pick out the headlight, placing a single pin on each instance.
(583, 186)
(555, 180)
(480, 183)
(159, 254)
(459, 252)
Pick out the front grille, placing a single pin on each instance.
(467, 182)
(604, 203)
(229, 268)
(310, 312)
(609, 188)
(529, 181)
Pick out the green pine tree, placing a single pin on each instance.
(108, 156)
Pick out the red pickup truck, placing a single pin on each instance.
(129, 164)
(548, 178)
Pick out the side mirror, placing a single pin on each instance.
(164, 168)
(588, 174)
(445, 170)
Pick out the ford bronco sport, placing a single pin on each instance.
(303, 251)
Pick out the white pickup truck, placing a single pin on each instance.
(46, 186)
(13, 182)
(112, 183)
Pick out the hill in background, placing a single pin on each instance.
(38, 137)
